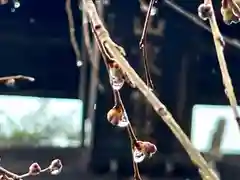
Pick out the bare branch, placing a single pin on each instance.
(197, 21)
(206, 11)
(34, 170)
(112, 51)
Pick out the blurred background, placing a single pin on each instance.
(63, 113)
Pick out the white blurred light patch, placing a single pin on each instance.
(204, 122)
(34, 121)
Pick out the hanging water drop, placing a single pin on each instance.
(116, 76)
(138, 156)
(124, 121)
(16, 4)
(117, 117)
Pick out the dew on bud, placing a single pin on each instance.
(116, 76)
(55, 167)
(142, 150)
(34, 169)
(117, 117)
(138, 156)
(124, 120)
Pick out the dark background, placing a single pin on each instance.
(34, 41)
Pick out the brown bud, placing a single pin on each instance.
(114, 116)
(34, 169)
(205, 11)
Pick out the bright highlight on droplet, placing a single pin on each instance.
(138, 156)
(79, 63)
(16, 4)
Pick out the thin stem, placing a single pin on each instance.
(226, 79)
(72, 32)
(131, 134)
(118, 101)
(8, 173)
(29, 174)
(142, 45)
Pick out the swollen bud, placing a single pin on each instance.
(116, 116)
(55, 167)
(34, 169)
(205, 11)
(228, 16)
(143, 149)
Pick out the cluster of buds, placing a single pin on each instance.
(54, 168)
(230, 11)
(118, 117)
(205, 11)
(34, 169)
(116, 75)
(142, 150)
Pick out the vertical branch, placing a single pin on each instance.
(142, 46)
(206, 11)
(92, 49)
(72, 32)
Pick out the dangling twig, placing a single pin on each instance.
(72, 32)
(142, 45)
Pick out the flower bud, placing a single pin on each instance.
(55, 167)
(34, 169)
(117, 117)
(228, 16)
(142, 150)
(205, 11)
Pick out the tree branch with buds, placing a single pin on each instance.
(54, 168)
(206, 12)
(115, 53)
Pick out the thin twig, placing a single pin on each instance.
(89, 46)
(142, 46)
(10, 80)
(111, 50)
(192, 17)
(34, 170)
(219, 45)
(72, 32)
(131, 134)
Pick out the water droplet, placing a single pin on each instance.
(16, 4)
(79, 63)
(116, 76)
(138, 156)
(117, 83)
(124, 122)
